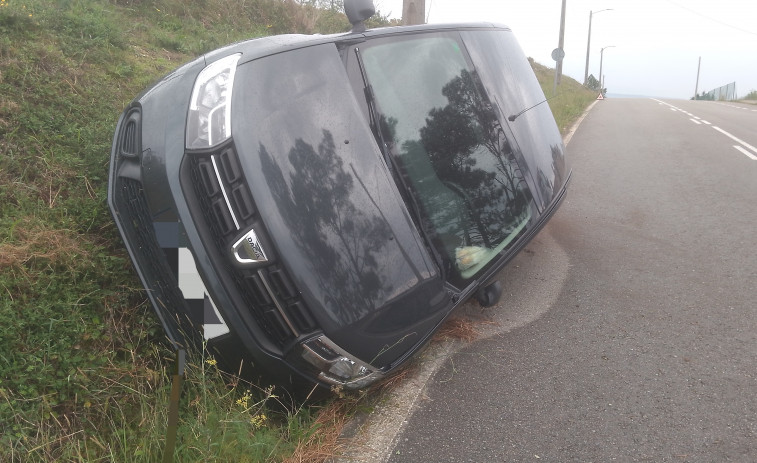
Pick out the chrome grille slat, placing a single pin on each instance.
(267, 292)
(223, 191)
(277, 303)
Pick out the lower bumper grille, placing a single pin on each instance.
(159, 280)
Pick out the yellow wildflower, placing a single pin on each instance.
(258, 421)
(244, 400)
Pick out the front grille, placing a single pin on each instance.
(159, 280)
(227, 210)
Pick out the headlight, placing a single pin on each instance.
(209, 118)
(336, 366)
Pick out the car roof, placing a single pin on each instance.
(264, 46)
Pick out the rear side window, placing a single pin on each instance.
(451, 148)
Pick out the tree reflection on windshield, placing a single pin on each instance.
(318, 209)
(463, 170)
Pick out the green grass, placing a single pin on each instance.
(571, 100)
(83, 360)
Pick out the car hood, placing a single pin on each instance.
(330, 206)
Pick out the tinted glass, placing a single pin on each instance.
(509, 80)
(451, 149)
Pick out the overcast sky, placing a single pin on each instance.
(657, 43)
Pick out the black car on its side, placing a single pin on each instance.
(317, 205)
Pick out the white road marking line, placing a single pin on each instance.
(705, 122)
(662, 102)
(735, 139)
(695, 117)
(695, 121)
(673, 109)
(746, 153)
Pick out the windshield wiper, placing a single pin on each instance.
(373, 113)
(375, 118)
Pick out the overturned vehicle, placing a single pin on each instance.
(318, 205)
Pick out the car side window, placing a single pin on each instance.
(451, 148)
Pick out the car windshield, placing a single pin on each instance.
(450, 148)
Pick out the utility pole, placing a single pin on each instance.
(413, 12)
(588, 45)
(601, 58)
(558, 54)
(696, 87)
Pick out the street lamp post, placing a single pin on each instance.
(601, 57)
(588, 46)
(558, 53)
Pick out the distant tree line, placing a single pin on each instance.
(709, 96)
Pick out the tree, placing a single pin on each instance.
(592, 83)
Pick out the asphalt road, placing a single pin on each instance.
(628, 327)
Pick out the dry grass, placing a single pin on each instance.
(34, 242)
(460, 328)
(322, 442)
(391, 382)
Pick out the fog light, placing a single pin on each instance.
(336, 366)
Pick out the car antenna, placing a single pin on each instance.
(357, 12)
(515, 116)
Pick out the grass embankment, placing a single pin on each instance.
(750, 98)
(83, 360)
(571, 100)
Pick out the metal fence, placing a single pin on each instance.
(726, 92)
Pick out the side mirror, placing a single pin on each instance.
(357, 12)
(490, 295)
